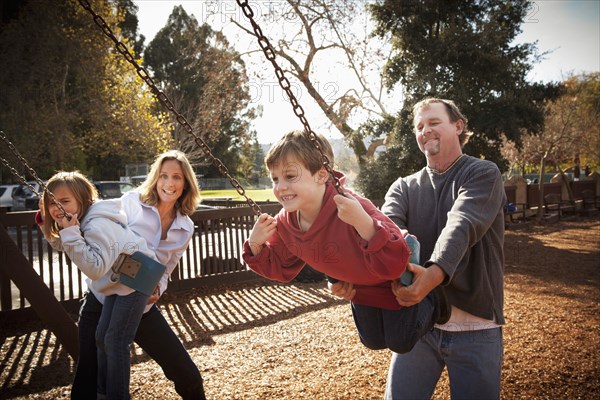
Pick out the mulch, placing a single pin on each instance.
(262, 340)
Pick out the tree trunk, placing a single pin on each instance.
(540, 211)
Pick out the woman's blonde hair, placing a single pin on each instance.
(83, 191)
(299, 144)
(189, 199)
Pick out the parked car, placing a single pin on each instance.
(24, 199)
(6, 193)
(112, 189)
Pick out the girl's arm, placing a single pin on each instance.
(95, 247)
(52, 240)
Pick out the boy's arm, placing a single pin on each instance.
(351, 212)
(267, 255)
(262, 230)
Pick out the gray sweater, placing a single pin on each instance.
(458, 218)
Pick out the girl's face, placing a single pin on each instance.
(171, 182)
(65, 197)
(295, 187)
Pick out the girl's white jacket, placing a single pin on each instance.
(95, 245)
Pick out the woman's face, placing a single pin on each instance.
(171, 182)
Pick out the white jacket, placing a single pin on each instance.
(94, 246)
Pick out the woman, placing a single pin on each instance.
(157, 211)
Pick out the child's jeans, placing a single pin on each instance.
(397, 330)
(118, 324)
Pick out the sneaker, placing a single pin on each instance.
(443, 305)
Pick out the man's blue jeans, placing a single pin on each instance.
(473, 358)
(154, 336)
(118, 324)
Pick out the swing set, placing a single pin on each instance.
(21, 273)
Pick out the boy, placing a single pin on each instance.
(345, 237)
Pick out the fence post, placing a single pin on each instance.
(14, 265)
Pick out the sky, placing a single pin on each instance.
(568, 30)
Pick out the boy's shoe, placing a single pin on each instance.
(443, 305)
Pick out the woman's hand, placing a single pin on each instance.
(155, 296)
(263, 229)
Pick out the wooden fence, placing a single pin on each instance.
(533, 192)
(213, 257)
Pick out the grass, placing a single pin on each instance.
(256, 195)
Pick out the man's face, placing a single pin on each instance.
(437, 136)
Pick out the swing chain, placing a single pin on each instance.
(31, 172)
(164, 99)
(285, 84)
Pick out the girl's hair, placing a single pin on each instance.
(453, 111)
(189, 199)
(300, 145)
(83, 191)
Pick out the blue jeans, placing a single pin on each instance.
(473, 359)
(154, 336)
(116, 329)
(397, 330)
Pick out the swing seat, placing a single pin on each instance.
(415, 248)
(138, 271)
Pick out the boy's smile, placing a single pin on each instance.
(295, 188)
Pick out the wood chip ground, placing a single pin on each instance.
(264, 340)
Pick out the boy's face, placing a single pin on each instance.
(295, 187)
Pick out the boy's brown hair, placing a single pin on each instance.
(299, 144)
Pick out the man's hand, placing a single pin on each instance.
(345, 290)
(424, 281)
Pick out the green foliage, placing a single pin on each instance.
(462, 50)
(402, 157)
(256, 195)
(68, 93)
(570, 129)
(206, 80)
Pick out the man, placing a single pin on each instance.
(454, 206)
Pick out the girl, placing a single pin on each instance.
(94, 246)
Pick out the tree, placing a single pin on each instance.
(65, 90)
(252, 165)
(206, 80)
(127, 10)
(311, 33)
(462, 50)
(570, 130)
